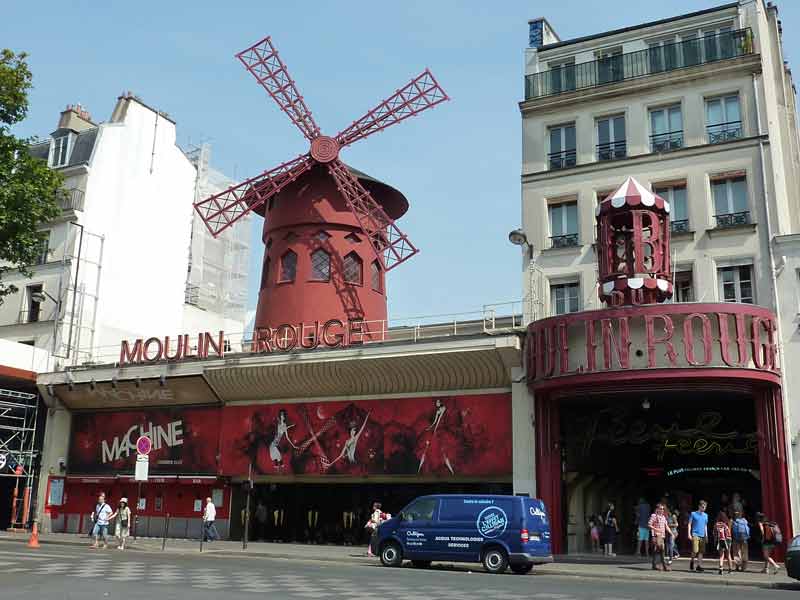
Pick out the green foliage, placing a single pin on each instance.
(28, 188)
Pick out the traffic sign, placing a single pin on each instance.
(142, 467)
(143, 445)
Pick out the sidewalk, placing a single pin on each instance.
(628, 568)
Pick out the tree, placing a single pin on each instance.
(28, 188)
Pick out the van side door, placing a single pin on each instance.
(415, 528)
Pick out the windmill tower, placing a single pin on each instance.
(329, 230)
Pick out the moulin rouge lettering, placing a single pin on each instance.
(735, 339)
(333, 333)
(168, 436)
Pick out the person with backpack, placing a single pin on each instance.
(741, 537)
(722, 531)
(771, 536)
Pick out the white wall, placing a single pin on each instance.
(22, 356)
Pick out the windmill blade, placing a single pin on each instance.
(391, 245)
(421, 93)
(222, 210)
(263, 62)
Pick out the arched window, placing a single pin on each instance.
(375, 276)
(320, 265)
(353, 269)
(288, 266)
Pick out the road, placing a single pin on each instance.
(66, 573)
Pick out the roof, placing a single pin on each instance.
(595, 36)
(81, 149)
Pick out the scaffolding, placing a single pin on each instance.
(19, 413)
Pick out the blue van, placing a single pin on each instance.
(498, 531)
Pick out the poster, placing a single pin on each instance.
(446, 436)
(184, 441)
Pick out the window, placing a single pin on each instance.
(563, 224)
(679, 212)
(736, 283)
(421, 510)
(609, 65)
(718, 43)
(320, 265)
(683, 290)
(265, 272)
(666, 128)
(352, 238)
(663, 55)
(564, 298)
(562, 76)
(353, 269)
(375, 275)
(611, 138)
(730, 201)
(27, 342)
(690, 43)
(723, 119)
(562, 146)
(288, 266)
(44, 249)
(59, 151)
(322, 236)
(34, 307)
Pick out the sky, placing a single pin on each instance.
(458, 164)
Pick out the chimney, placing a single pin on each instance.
(76, 118)
(540, 33)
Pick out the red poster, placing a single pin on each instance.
(447, 436)
(184, 441)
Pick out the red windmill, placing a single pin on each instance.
(323, 220)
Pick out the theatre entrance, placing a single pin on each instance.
(682, 447)
(332, 513)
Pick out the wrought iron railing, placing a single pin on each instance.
(656, 59)
(564, 241)
(722, 132)
(681, 226)
(612, 150)
(71, 199)
(191, 294)
(562, 160)
(733, 219)
(664, 142)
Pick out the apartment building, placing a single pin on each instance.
(700, 109)
(121, 259)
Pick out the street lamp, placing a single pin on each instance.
(518, 238)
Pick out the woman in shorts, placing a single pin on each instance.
(122, 522)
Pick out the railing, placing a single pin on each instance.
(562, 160)
(612, 150)
(733, 219)
(71, 199)
(564, 241)
(657, 59)
(30, 315)
(664, 142)
(191, 295)
(722, 132)
(681, 226)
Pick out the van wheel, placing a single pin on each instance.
(421, 564)
(495, 560)
(522, 568)
(391, 555)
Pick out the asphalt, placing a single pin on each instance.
(591, 567)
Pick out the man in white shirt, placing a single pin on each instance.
(100, 516)
(209, 516)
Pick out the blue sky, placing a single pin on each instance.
(458, 164)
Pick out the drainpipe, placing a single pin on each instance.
(776, 299)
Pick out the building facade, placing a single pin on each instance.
(700, 109)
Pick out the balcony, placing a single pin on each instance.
(678, 227)
(71, 199)
(612, 150)
(657, 59)
(30, 315)
(568, 240)
(733, 219)
(664, 142)
(562, 160)
(722, 132)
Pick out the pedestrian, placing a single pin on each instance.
(672, 537)
(372, 526)
(740, 531)
(659, 529)
(722, 532)
(261, 520)
(643, 518)
(610, 529)
(771, 536)
(209, 516)
(101, 515)
(594, 532)
(698, 533)
(122, 520)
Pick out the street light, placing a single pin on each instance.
(518, 237)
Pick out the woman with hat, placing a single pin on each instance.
(122, 520)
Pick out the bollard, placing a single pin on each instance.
(166, 529)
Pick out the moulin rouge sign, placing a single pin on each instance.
(652, 337)
(284, 338)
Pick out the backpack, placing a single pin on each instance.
(741, 530)
(772, 533)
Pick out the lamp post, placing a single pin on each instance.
(39, 297)
(518, 238)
